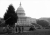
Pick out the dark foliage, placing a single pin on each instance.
(43, 23)
(31, 29)
(10, 16)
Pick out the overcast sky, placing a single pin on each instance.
(33, 8)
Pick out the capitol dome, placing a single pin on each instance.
(20, 11)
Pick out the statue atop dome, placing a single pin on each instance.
(20, 3)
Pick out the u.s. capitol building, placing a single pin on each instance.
(22, 19)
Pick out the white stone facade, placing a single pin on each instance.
(22, 19)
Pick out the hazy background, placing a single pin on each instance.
(33, 8)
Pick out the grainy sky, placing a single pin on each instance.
(33, 8)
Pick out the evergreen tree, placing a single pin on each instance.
(10, 16)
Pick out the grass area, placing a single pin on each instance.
(37, 32)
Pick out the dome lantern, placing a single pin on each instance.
(20, 11)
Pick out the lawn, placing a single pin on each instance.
(37, 32)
